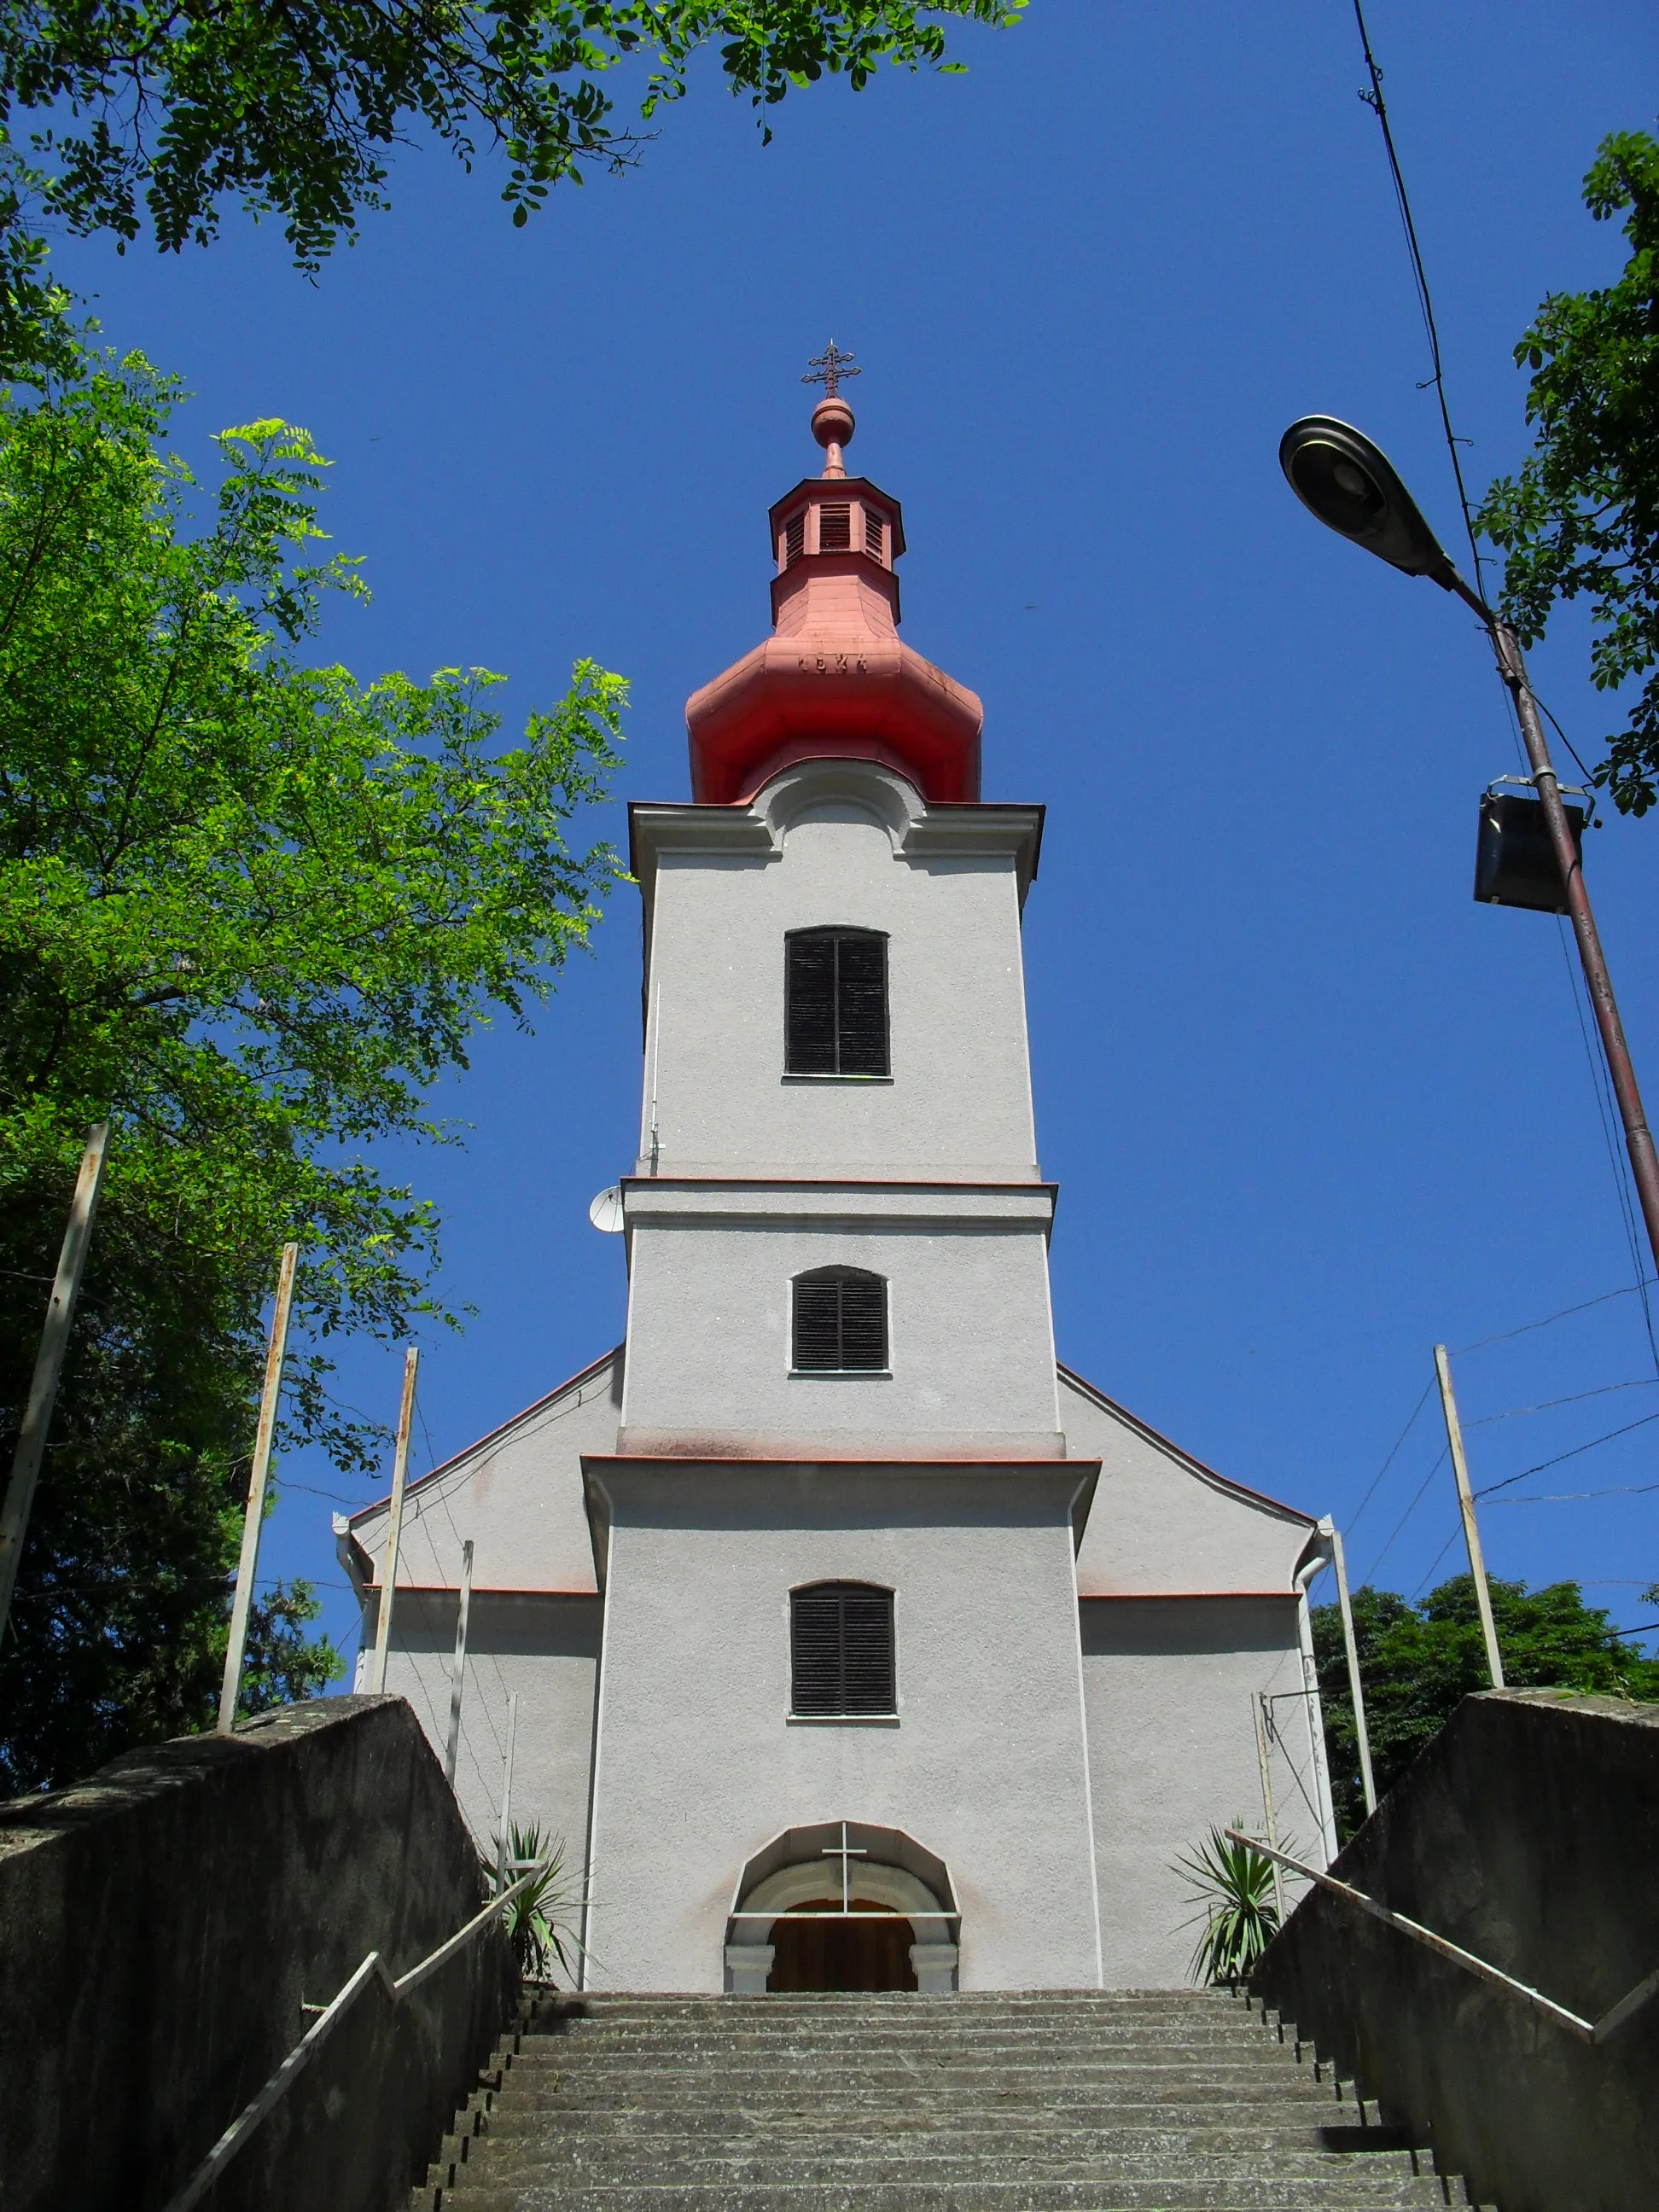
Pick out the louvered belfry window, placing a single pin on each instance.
(839, 1326)
(835, 529)
(835, 1002)
(875, 541)
(794, 538)
(841, 1640)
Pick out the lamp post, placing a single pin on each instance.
(1348, 483)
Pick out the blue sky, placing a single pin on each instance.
(1310, 1109)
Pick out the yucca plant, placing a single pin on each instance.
(540, 1922)
(1233, 1886)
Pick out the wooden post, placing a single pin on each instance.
(1466, 1507)
(457, 1674)
(49, 1365)
(1268, 1801)
(248, 1567)
(395, 1524)
(504, 1841)
(1355, 1686)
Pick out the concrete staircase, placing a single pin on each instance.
(985, 2103)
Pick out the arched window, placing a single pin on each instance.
(835, 1002)
(839, 1325)
(840, 1650)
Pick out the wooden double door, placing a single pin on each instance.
(832, 1953)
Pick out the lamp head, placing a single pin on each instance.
(1340, 476)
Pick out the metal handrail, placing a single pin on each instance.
(372, 1969)
(1587, 2030)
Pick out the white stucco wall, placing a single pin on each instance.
(699, 1765)
(545, 1649)
(970, 1346)
(1163, 1524)
(517, 1494)
(1169, 1686)
(830, 842)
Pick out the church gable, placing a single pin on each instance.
(1163, 1524)
(517, 1494)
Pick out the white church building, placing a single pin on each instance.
(856, 1642)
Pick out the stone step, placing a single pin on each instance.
(945, 2165)
(764, 2015)
(1194, 2126)
(1101, 2194)
(1080, 2102)
(602, 2035)
(800, 2078)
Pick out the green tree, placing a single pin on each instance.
(1417, 1663)
(146, 114)
(1582, 518)
(250, 910)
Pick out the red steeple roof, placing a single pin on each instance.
(834, 678)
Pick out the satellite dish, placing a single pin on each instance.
(606, 1211)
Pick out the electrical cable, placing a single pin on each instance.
(1365, 1578)
(1575, 1497)
(1379, 106)
(1566, 1313)
(1435, 1562)
(1492, 1488)
(1548, 1404)
(1607, 1111)
(1587, 774)
(1374, 100)
(1389, 1462)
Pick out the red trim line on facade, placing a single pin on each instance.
(853, 1182)
(479, 1589)
(1159, 1597)
(820, 1459)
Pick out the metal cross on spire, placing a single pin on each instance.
(829, 367)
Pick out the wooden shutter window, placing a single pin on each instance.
(835, 1002)
(842, 1658)
(839, 1324)
(794, 538)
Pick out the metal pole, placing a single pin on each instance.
(395, 1525)
(1356, 1690)
(1466, 1507)
(1639, 1138)
(504, 1841)
(1267, 1800)
(457, 1673)
(49, 1365)
(247, 1569)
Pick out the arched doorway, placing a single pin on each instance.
(842, 1906)
(825, 1949)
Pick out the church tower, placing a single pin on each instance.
(857, 1642)
(840, 1392)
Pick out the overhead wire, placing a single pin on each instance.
(1563, 1312)
(1389, 1461)
(1491, 1489)
(1574, 1398)
(1374, 100)
(1405, 1517)
(1607, 1113)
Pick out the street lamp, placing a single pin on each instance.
(1349, 483)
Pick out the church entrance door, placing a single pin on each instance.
(832, 1951)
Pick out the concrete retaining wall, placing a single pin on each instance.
(1528, 1833)
(163, 1924)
